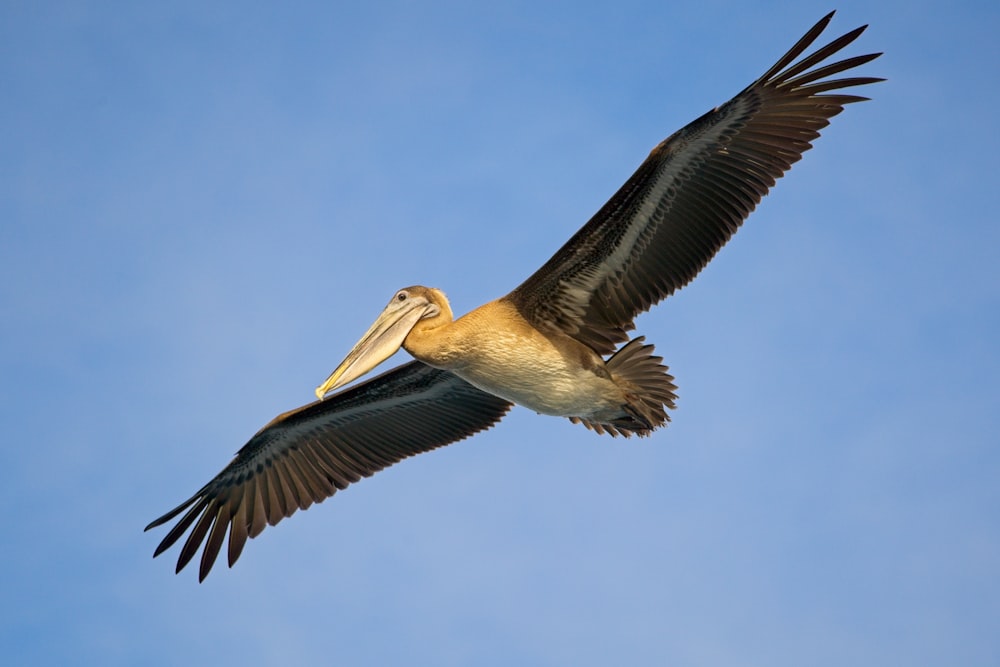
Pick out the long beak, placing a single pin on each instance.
(379, 343)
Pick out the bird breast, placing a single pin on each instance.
(496, 350)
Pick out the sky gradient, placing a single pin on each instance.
(202, 209)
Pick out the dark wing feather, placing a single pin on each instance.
(306, 455)
(687, 199)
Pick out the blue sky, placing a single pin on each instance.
(203, 208)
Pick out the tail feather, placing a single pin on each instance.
(649, 391)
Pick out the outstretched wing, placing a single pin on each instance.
(688, 198)
(308, 454)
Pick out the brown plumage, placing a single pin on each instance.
(688, 198)
(543, 345)
(308, 454)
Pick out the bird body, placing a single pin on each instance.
(497, 350)
(557, 344)
(494, 349)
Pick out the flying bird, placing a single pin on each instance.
(558, 344)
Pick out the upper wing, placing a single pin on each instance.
(688, 198)
(306, 455)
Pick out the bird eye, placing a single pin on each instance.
(401, 296)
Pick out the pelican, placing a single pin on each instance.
(558, 344)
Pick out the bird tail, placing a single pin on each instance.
(649, 390)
